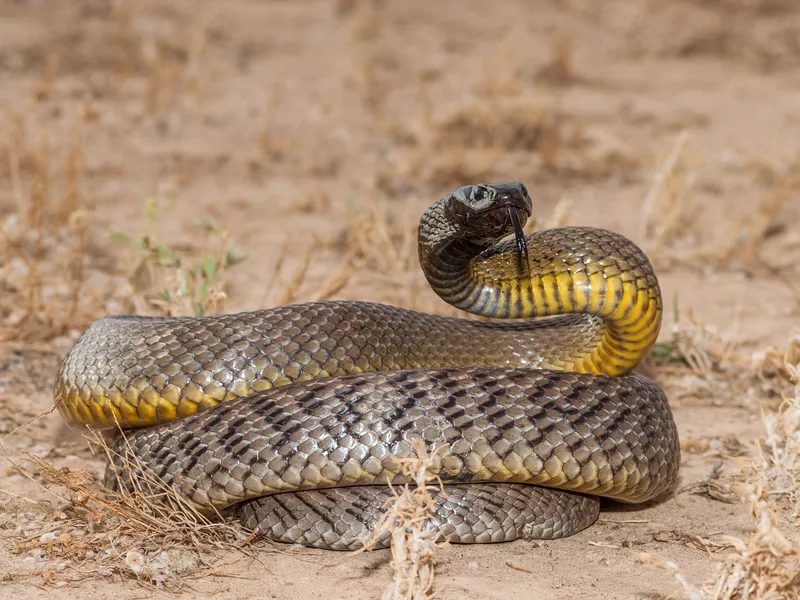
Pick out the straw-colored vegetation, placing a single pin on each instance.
(767, 563)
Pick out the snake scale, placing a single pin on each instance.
(298, 415)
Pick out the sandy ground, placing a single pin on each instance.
(310, 122)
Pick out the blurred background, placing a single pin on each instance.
(309, 137)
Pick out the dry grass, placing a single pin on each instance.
(664, 210)
(366, 28)
(767, 564)
(560, 68)
(408, 522)
(486, 141)
(283, 146)
(381, 242)
(151, 535)
(179, 282)
(43, 241)
(295, 287)
(780, 449)
(698, 347)
(673, 224)
(725, 30)
(752, 247)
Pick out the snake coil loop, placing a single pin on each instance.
(313, 404)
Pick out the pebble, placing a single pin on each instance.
(134, 561)
(48, 537)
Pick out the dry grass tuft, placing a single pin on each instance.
(295, 287)
(286, 146)
(560, 68)
(43, 241)
(514, 136)
(670, 215)
(151, 535)
(759, 34)
(486, 141)
(413, 539)
(780, 449)
(696, 346)
(746, 251)
(516, 123)
(765, 567)
(382, 245)
(372, 61)
(767, 564)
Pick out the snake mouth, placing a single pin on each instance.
(510, 208)
(510, 211)
(508, 201)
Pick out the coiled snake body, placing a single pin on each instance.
(314, 404)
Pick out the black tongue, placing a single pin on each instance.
(519, 236)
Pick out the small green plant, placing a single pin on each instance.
(668, 353)
(180, 282)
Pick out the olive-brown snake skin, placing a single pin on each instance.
(313, 404)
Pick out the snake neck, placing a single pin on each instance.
(593, 272)
(445, 255)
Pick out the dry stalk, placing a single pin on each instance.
(151, 534)
(168, 78)
(664, 210)
(560, 68)
(382, 249)
(296, 287)
(780, 450)
(560, 216)
(765, 567)
(366, 39)
(408, 520)
(501, 67)
(380, 242)
(767, 564)
(697, 346)
(291, 289)
(43, 245)
(691, 591)
(274, 143)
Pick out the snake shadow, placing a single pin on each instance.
(608, 505)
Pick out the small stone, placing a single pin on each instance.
(134, 561)
(50, 536)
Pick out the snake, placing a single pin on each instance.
(298, 418)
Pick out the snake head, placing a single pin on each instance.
(487, 212)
